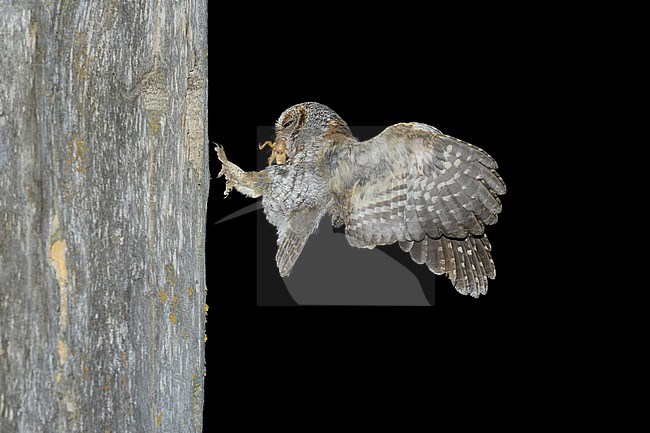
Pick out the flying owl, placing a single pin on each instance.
(411, 184)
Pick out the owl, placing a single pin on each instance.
(411, 184)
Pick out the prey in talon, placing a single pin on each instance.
(430, 192)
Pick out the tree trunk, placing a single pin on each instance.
(103, 192)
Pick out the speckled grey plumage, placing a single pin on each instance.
(411, 184)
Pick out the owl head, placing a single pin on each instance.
(308, 124)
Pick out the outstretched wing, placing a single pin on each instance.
(431, 192)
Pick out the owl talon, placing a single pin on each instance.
(221, 154)
(250, 184)
(228, 169)
(229, 186)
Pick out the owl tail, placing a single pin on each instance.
(290, 246)
(467, 262)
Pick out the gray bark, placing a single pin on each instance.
(103, 192)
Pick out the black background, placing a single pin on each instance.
(481, 79)
(480, 91)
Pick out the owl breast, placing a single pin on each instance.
(293, 188)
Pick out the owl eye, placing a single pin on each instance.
(287, 123)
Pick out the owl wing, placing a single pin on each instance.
(430, 192)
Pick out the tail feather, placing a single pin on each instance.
(483, 249)
(436, 257)
(406, 246)
(462, 282)
(419, 251)
(473, 277)
(290, 246)
(467, 262)
(478, 266)
(450, 259)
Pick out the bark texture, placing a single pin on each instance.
(103, 192)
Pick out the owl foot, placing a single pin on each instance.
(228, 169)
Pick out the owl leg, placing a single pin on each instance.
(249, 183)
